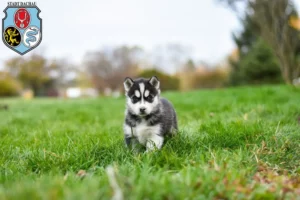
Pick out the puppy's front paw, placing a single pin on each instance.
(154, 144)
(151, 150)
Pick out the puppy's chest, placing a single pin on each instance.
(143, 131)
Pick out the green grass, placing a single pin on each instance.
(237, 143)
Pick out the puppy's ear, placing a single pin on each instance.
(155, 82)
(128, 82)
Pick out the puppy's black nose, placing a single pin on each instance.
(142, 110)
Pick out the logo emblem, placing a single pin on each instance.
(22, 28)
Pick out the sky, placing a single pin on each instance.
(71, 28)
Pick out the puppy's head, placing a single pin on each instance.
(142, 95)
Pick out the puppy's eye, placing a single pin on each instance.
(135, 99)
(150, 98)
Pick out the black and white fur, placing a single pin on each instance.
(148, 117)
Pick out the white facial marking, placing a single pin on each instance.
(137, 93)
(142, 89)
(147, 93)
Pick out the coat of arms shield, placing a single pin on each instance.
(22, 28)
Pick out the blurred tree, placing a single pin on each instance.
(256, 61)
(295, 22)
(186, 75)
(171, 57)
(201, 76)
(108, 68)
(258, 66)
(84, 80)
(64, 74)
(33, 72)
(248, 36)
(189, 66)
(272, 19)
(9, 85)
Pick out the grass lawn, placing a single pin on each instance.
(237, 143)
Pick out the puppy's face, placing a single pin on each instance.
(142, 95)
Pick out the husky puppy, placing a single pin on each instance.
(148, 117)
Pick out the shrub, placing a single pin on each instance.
(8, 85)
(167, 82)
(258, 66)
(203, 78)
